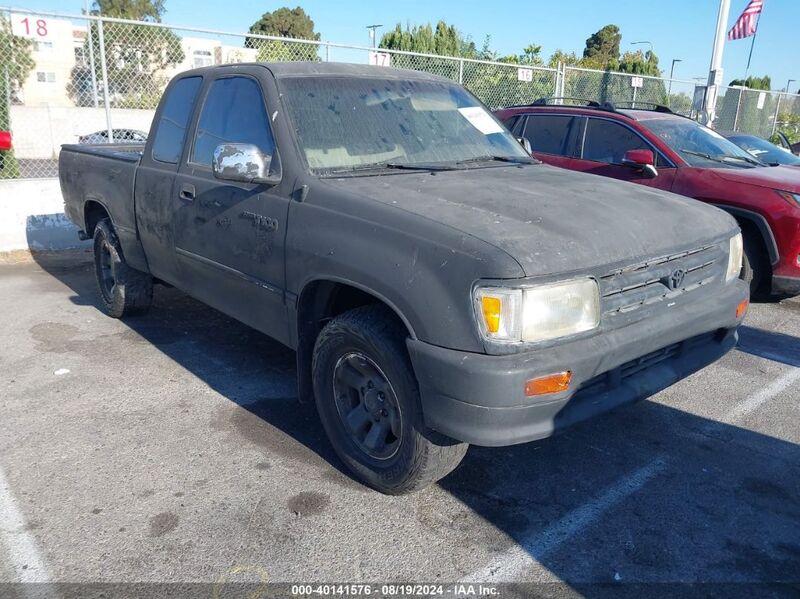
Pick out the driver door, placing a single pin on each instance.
(229, 235)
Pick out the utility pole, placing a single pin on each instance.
(373, 33)
(715, 71)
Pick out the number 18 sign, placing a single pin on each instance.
(30, 26)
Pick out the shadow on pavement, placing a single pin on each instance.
(720, 504)
(770, 345)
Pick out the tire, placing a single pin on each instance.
(364, 384)
(755, 265)
(123, 290)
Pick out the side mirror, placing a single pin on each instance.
(525, 144)
(5, 141)
(642, 161)
(243, 162)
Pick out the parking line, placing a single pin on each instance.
(755, 401)
(19, 545)
(535, 547)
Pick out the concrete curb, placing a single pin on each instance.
(32, 217)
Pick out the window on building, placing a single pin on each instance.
(45, 77)
(41, 46)
(80, 57)
(202, 58)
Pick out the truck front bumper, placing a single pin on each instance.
(480, 398)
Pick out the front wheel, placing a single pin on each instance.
(123, 290)
(755, 264)
(368, 400)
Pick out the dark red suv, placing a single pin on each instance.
(661, 149)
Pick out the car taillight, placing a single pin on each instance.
(5, 141)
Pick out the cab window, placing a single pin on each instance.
(219, 123)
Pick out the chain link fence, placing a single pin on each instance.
(79, 79)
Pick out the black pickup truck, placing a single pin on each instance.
(439, 286)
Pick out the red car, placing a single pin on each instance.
(660, 149)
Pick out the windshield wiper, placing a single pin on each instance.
(498, 158)
(723, 159)
(754, 161)
(394, 165)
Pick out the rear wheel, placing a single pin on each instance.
(123, 290)
(368, 400)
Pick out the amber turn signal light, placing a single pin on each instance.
(741, 309)
(551, 383)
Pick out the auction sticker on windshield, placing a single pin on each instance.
(480, 119)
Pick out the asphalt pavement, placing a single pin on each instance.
(171, 447)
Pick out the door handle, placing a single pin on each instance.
(187, 192)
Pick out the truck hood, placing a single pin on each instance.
(550, 220)
(783, 178)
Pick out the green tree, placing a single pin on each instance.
(15, 67)
(640, 63)
(135, 10)
(136, 56)
(561, 57)
(531, 55)
(442, 40)
(284, 22)
(764, 83)
(602, 48)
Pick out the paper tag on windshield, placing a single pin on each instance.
(480, 119)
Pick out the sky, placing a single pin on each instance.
(681, 29)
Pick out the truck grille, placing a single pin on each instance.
(665, 278)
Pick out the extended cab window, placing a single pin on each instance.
(607, 141)
(171, 130)
(233, 112)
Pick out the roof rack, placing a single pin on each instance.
(652, 106)
(571, 103)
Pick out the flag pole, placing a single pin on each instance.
(753, 45)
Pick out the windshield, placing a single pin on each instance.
(361, 123)
(764, 150)
(699, 145)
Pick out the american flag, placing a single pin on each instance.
(747, 22)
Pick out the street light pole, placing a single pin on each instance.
(671, 75)
(373, 33)
(789, 83)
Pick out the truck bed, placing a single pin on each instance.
(104, 174)
(128, 152)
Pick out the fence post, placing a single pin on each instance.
(461, 72)
(777, 112)
(104, 71)
(91, 59)
(327, 52)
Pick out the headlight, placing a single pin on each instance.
(734, 258)
(792, 198)
(530, 314)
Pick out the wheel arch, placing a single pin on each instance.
(760, 224)
(93, 212)
(319, 301)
